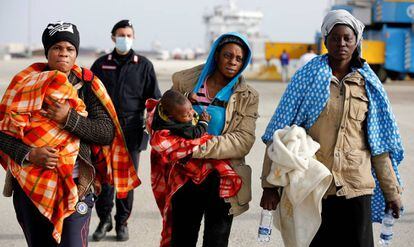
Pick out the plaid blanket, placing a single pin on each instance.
(54, 192)
(168, 174)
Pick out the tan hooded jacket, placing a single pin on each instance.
(238, 134)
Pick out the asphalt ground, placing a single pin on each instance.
(145, 221)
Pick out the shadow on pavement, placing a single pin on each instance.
(11, 236)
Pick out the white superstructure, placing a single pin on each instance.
(228, 18)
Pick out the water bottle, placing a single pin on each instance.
(386, 229)
(265, 227)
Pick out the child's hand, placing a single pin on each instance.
(192, 97)
(205, 116)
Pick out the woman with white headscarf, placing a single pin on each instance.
(342, 105)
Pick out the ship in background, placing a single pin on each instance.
(229, 18)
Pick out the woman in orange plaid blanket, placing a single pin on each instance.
(59, 135)
(218, 88)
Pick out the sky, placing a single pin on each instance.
(173, 23)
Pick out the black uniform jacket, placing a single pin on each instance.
(130, 80)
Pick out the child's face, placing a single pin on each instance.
(183, 113)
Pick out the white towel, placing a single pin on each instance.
(304, 180)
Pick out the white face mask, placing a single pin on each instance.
(123, 44)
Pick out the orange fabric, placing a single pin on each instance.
(54, 192)
(113, 163)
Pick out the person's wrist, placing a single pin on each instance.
(27, 158)
(273, 191)
(392, 196)
(64, 120)
(271, 188)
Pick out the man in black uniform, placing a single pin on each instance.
(130, 80)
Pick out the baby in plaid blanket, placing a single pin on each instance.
(176, 131)
(175, 113)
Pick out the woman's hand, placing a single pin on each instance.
(44, 157)
(395, 207)
(270, 198)
(57, 111)
(205, 116)
(192, 97)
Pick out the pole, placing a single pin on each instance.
(29, 41)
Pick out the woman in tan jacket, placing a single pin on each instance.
(233, 106)
(341, 103)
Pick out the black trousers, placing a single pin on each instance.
(345, 223)
(189, 204)
(105, 201)
(38, 230)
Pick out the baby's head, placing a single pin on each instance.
(176, 106)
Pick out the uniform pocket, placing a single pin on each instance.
(244, 195)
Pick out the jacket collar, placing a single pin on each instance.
(241, 86)
(133, 56)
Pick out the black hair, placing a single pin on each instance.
(357, 61)
(232, 39)
(170, 99)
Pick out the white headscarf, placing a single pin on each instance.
(341, 16)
